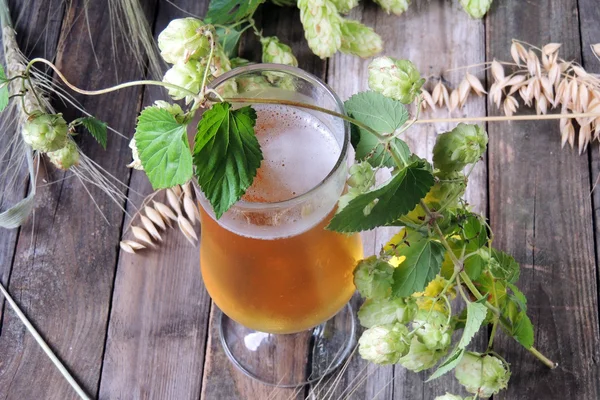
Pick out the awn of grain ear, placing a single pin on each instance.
(475, 84)
(497, 71)
(125, 247)
(173, 200)
(155, 217)
(190, 209)
(550, 48)
(134, 245)
(165, 211)
(142, 235)
(150, 228)
(428, 100)
(187, 229)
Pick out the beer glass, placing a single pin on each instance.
(281, 280)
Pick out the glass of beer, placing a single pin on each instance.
(281, 280)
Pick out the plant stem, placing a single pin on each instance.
(549, 363)
(250, 100)
(495, 323)
(512, 118)
(107, 90)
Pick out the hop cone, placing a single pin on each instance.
(397, 79)
(482, 375)
(273, 51)
(420, 357)
(188, 76)
(386, 311)
(373, 278)
(384, 344)
(182, 40)
(360, 40)
(45, 132)
(344, 6)
(476, 8)
(66, 157)
(322, 26)
(463, 145)
(173, 109)
(449, 396)
(394, 6)
(432, 330)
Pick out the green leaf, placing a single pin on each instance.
(4, 95)
(95, 127)
(224, 12)
(449, 363)
(476, 313)
(226, 154)
(387, 203)
(517, 296)
(505, 266)
(229, 39)
(163, 148)
(523, 330)
(381, 114)
(474, 266)
(423, 262)
(474, 232)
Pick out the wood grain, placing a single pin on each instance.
(541, 213)
(64, 269)
(159, 318)
(436, 36)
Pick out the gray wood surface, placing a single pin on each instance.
(143, 327)
(540, 209)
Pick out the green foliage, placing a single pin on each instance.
(226, 154)
(4, 95)
(224, 12)
(504, 266)
(163, 148)
(386, 203)
(423, 262)
(229, 39)
(95, 127)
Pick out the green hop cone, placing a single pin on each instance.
(273, 51)
(322, 26)
(397, 79)
(66, 157)
(45, 132)
(449, 396)
(384, 344)
(362, 176)
(360, 40)
(386, 311)
(394, 6)
(463, 145)
(373, 278)
(344, 6)
(188, 76)
(432, 330)
(183, 40)
(220, 62)
(420, 357)
(173, 109)
(484, 375)
(476, 8)
(238, 62)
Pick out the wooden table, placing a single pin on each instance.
(143, 327)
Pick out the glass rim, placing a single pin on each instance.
(314, 80)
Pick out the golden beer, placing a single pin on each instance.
(269, 263)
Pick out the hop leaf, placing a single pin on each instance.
(386, 311)
(224, 12)
(420, 357)
(398, 79)
(45, 132)
(344, 6)
(484, 375)
(476, 8)
(384, 344)
(322, 26)
(360, 40)
(463, 145)
(373, 278)
(174, 109)
(66, 157)
(273, 51)
(183, 40)
(394, 6)
(188, 76)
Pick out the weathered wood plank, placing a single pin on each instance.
(221, 378)
(45, 24)
(425, 35)
(541, 213)
(64, 269)
(159, 318)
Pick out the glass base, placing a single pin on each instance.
(290, 360)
